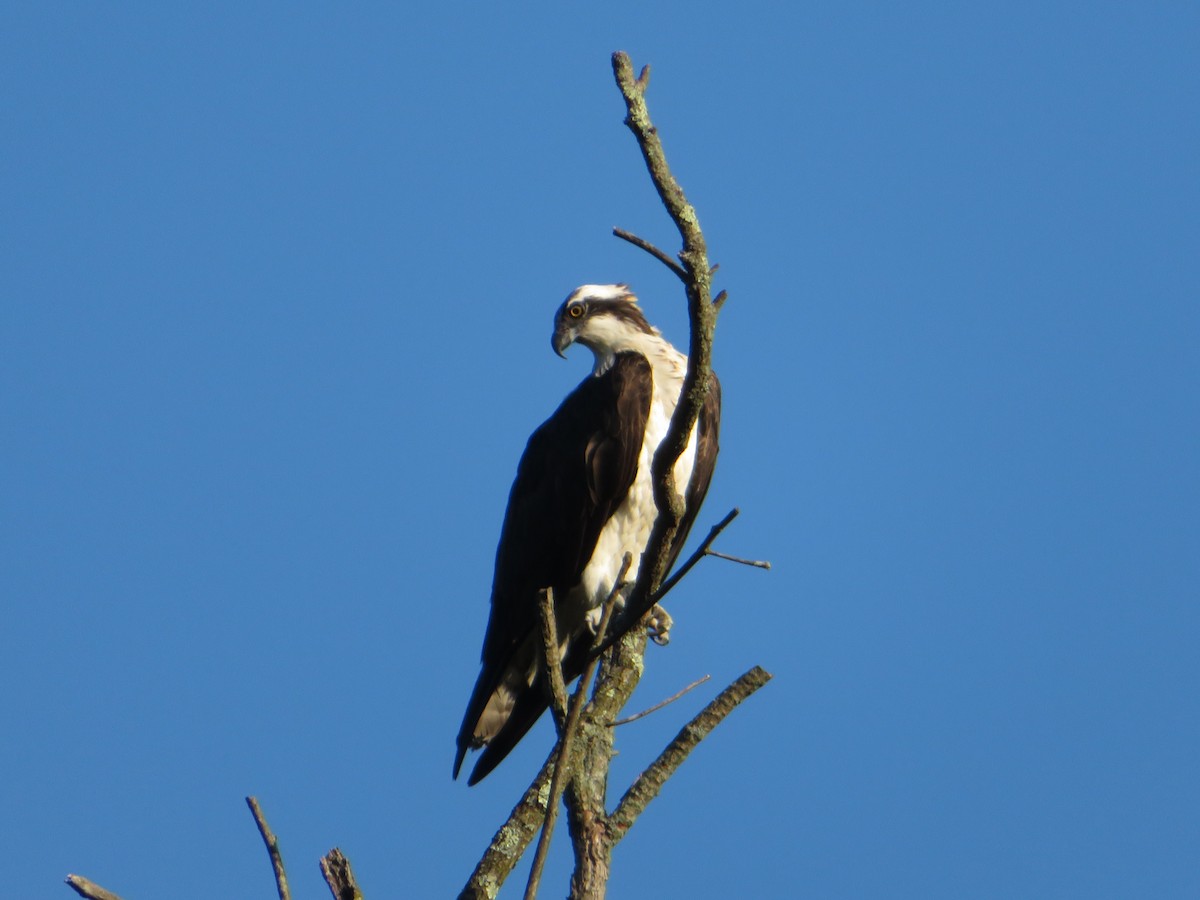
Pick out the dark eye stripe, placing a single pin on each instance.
(622, 310)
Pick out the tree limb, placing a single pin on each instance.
(339, 876)
(89, 889)
(512, 838)
(702, 318)
(650, 782)
(562, 758)
(550, 656)
(697, 556)
(281, 883)
(658, 254)
(586, 798)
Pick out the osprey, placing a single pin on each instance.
(582, 498)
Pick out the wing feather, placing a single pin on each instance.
(576, 471)
(708, 433)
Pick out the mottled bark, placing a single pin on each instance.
(339, 876)
(89, 889)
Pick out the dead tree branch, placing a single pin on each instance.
(753, 563)
(658, 254)
(650, 782)
(702, 318)
(281, 882)
(339, 876)
(553, 665)
(586, 798)
(697, 556)
(563, 757)
(512, 838)
(614, 687)
(88, 889)
(657, 706)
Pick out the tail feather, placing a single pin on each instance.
(526, 712)
(530, 702)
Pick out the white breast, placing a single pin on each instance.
(629, 528)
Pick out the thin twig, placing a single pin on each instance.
(670, 582)
(89, 889)
(657, 706)
(658, 254)
(561, 763)
(700, 553)
(650, 782)
(757, 563)
(339, 876)
(272, 843)
(551, 655)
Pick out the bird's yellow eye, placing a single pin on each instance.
(575, 311)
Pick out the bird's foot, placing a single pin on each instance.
(658, 625)
(595, 615)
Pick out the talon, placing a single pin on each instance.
(594, 615)
(658, 625)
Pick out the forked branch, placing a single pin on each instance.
(571, 723)
(702, 318)
(650, 782)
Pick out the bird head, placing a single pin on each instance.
(605, 318)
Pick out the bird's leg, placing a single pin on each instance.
(658, 624)
(620, 593)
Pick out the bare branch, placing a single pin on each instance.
(650, 782)
(658, 254)
(512, 838)
(638, 120)
(614, 686)
(562, 764)
(673, 580)
(586, 797)
(272, 843)
(702, 317)
(657, 706)
(89, 889)
(756, 563)
(338, 875)
(697, 556)
(553, 663)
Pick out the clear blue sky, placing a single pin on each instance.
(277, 285)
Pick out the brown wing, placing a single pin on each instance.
(531, 704)
(575, 472)
(708, 432)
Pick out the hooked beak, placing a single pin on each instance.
(562, 339)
